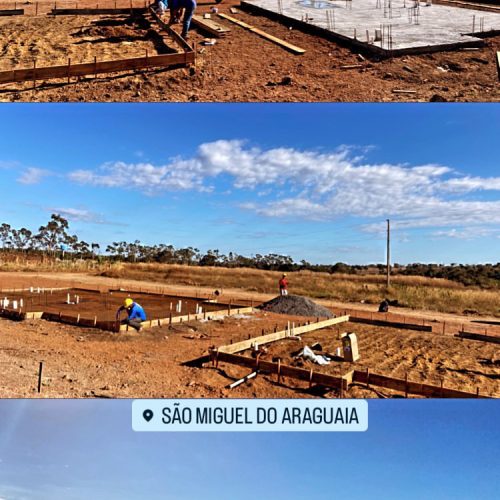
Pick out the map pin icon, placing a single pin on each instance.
(148, 415)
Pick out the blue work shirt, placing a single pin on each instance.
(136, 312)
(181, 4)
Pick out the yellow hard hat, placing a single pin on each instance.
(128, 302)
(284, 274)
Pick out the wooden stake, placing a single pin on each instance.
(40, 370)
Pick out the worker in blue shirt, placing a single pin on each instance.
(136, 314)
(176, 7)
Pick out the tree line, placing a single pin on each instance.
(54, 240)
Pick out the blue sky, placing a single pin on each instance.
(313, 181)
(415, 449)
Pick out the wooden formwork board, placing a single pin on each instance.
(114, 326)
(356, 376)
(263, 34)
(273, 337)
(27, 289)
(392, 324)
(280, 370)
(210, 26)
(190, 317)
(479, 336)
(178, 38)
(11, 12)
(97, 11)
(409, 387)
(69, 70)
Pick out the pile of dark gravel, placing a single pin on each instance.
(295, 305)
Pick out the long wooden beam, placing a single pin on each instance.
(190, 317)
(12, 12)
(69, 70)
(406, 386)
(97, 11)
(210, 26)
(392, 324)
(495, 339)
(272, 337)
(178, 38)
(263, 34)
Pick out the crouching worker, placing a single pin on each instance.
(384, 306)
(136, 314)
(176, 7)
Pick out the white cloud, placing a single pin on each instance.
(81, 215)
(77, 214)
(468, 184)
(315, 185)
(33, 175)
(466, 233)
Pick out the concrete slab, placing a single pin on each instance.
(388, 26)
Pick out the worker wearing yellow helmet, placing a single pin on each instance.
(136, 313)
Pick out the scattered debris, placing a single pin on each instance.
(319, 359)
(242, 380)
(351, 66)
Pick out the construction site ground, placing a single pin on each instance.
(86, 362)
(51, 41)
(103, 304)
(242, 66)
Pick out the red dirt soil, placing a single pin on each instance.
(83, 362)
(104, 305)
(245, 67)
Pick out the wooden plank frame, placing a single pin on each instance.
(96, 11)
(273, 337)
(114, 326)
(11, 12)
(343, 383)
(178, 38)
(209, 26)
(69, 70)
(495, 339)
(288, 46)
(190, 317)
(181, 59)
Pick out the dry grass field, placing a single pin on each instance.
(412, 292)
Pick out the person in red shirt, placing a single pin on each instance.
(283, 283)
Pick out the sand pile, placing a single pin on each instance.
(295, 305)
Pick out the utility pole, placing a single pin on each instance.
(388, 253)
